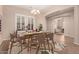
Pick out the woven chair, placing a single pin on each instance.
(11, 41)
(27, 39)
(41, 42)
(14, 39)
(33, 42)
(51, 41)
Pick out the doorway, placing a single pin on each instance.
(62, 27)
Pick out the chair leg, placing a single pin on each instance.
(30, 49)
(37, 50)
(41, 46)
(52, 48)
(48, 45)
(21, 46)
(53, 44)
(44, 46)
(28, 45)
(11, 47)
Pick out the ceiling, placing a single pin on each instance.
(29, 7)
(43, 8)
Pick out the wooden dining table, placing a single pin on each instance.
(30, 34)
(25, 34)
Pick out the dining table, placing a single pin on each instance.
(26, 36)
(30, 33)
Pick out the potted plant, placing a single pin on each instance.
(40, 27)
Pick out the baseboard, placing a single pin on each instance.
(76, 43)
(69, 36)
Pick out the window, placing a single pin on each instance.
(20, 22)
(24, 22)
(30, 23)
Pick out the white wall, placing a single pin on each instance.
(69, 26)
(76, 24)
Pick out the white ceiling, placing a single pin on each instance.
(43, 8)
(29, 7)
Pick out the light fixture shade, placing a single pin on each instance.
(35, 11)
